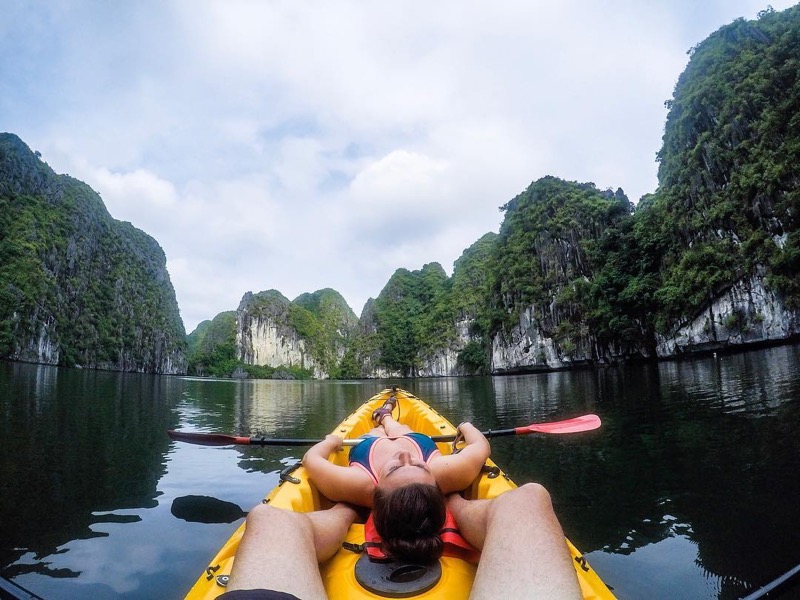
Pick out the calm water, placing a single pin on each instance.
(689, 490)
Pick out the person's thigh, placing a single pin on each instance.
(277, 553)
(524, 552)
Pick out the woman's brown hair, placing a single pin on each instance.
(408, 519)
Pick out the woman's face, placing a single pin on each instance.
(403, 468)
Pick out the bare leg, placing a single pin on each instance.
(378, 431)
(280, 549)
(523, 550)
(470, 515)
(330, 528)
(393, 428)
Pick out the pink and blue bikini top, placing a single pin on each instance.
(361, 455)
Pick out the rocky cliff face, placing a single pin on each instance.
(77, 287)
(443, 361)
(526, 347)
(264, 335)
(309, 333)
(547, 264)
(748, 313)
(41, 348)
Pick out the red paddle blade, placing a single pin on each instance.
(207, 439)
(576, 425)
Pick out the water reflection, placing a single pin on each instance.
(689, 488)
(715, 443)
(753, 383)
(71, 441)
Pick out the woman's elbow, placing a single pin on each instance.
(482, 451)
(310, 461)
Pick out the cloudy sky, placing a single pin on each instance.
(299, 145)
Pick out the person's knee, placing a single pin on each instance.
(534, 493)
(526, 499)
(276, 521)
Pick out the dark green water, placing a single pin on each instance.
(690, 489)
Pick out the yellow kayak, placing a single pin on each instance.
(348, 574)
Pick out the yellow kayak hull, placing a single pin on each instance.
(338, 573)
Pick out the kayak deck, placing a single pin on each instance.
(339, 573)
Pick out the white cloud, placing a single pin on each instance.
(401, 181)
(134, 192)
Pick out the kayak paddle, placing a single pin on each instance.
(220, 439)
(576, 425)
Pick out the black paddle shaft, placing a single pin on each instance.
(487, 434)
(265, 441)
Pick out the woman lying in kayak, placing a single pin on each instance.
(523, 554)
(403, 477)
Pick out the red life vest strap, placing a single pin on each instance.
(455, 545)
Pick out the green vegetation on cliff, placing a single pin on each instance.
(78, 287)
(327, 323)
(414, 316)
(473, 278)
(729, 195)
(212, 346)
(623, 306)
(547, 251)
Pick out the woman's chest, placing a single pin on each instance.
(385, 449)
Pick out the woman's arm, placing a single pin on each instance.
(337, 483)
(454, 472)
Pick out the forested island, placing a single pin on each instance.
(77, 287)
(575, 276)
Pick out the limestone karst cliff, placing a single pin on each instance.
(77, 287)
(749, 312)
(265, 335)
(711, 260)
(270, 336)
